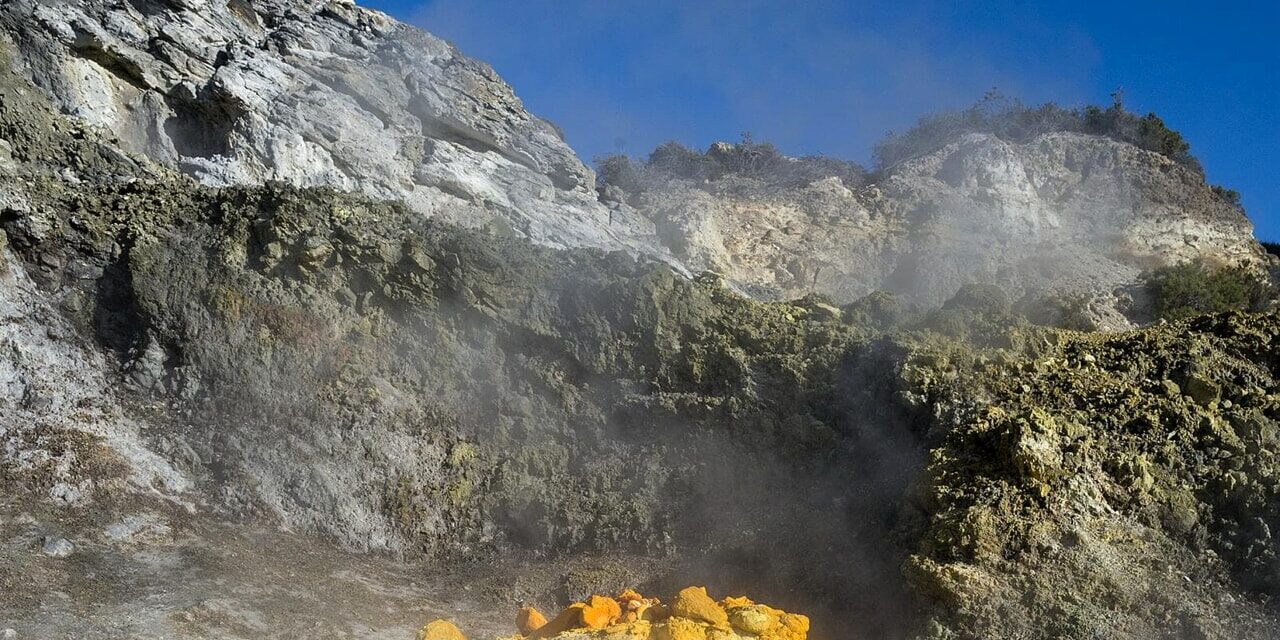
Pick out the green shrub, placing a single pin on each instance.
(1145, 132)
(1230, 196)
(678, 161)
(758, 160)
(619, 171)
(1194, 288)
(1061, 309)
(1011, 120)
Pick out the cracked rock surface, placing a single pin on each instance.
(314, 93)
(323, 93)
(1063, 212)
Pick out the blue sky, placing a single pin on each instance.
(828, 77)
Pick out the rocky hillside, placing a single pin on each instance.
(215, 392)
(312, 93)
(1064, 211)
(323, 93)
(341, 367)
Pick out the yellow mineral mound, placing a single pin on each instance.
(636, 607)
(530, 620)
(440, 630)
(693, 603)
(692, 615)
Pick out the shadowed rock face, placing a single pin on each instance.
(340, 366)
(313, 93)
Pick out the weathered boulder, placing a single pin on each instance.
(440, 630)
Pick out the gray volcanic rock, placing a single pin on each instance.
(63, 431)
(319, 93)
(314, 93)
(194, 380)
(1064, 211)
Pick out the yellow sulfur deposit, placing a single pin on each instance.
(530, 620)
(601, 611)
(440, 630)
(693, 603)
(692, 615)
(636, 607)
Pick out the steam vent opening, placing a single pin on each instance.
(312, 326)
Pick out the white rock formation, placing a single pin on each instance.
(324, 93)
(61, 421)
(314, 93)
(1063, 211)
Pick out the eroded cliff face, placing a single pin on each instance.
(341, 367)
(313, 93)
(183, 365)
(324, 93)
(1064, 212)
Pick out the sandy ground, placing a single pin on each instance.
(140, 578)
(155, 575)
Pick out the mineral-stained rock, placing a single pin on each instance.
(636, 607)
(529, 620)
(572, 617)
(1063, 212)
(440, 630)
(1202, 389)
(598, 612)
(694, 603)
(692, 616)
(601, 611)
(315, 93)
(323, 93)
(340, 366)
(57, 547)
(753, 619)
(1108, 461)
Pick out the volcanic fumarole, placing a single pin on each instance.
(307, 326)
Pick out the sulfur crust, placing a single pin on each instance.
(692, 615)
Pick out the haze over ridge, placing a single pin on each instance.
(832, 79)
